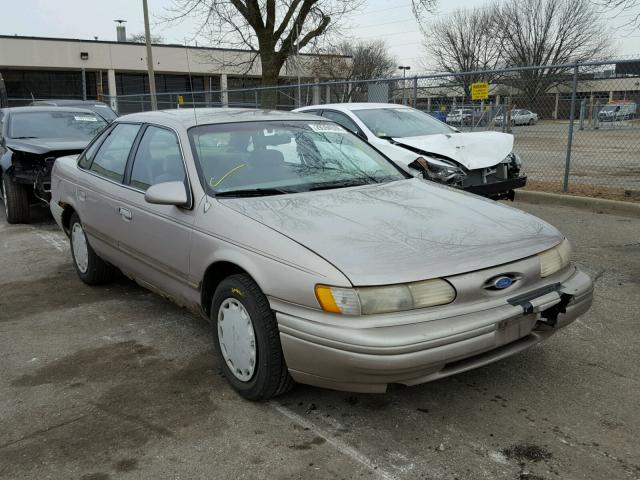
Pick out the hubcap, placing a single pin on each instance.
(79, 244)
(237, 339)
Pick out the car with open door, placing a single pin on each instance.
(314, 257)
(31, 138)
(478, 162)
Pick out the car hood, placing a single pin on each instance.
(41, 146)
(401, 231)
(472, 150)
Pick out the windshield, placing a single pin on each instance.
(401, 122)
(55, 124)
(285, 156)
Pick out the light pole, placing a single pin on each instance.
(404, 69)
(152, 78)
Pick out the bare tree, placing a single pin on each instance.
(141, 38)
(271, 30)
(628, 8)
(549, 32)
(363, 60)
(465, 41)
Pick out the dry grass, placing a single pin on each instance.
(610, 193)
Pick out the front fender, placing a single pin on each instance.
(6, 162)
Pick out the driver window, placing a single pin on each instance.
(111, 159)
(157, 160)
(341, 119)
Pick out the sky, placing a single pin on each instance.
(391, 20)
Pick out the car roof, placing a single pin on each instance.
(46, 108)
(353, 106)
(63, 102)
(189, 117)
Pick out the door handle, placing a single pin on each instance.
(125, 214)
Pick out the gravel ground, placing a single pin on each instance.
(116, 383)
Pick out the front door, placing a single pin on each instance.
(157, 238)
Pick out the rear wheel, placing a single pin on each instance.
(247, 339)
(91, 269)
(15, 198)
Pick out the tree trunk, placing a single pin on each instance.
(270, 73)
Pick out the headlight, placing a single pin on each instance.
(555, 259)
(438, 170)
(514, 160)
(392, 298)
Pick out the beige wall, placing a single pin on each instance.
(38, 53)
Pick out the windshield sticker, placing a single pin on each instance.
(327, 128)
(85, 118)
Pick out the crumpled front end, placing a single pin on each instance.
(498, 182)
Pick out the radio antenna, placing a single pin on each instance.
(193, 98)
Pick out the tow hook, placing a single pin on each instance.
(550, 315)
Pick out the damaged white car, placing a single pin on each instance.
(478, 162)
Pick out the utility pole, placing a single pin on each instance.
(298, 63)
(404, 69)
(152, 78)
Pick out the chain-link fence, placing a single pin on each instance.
(576, 127)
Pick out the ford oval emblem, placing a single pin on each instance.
(502, 282)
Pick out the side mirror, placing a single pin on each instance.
(167, 193)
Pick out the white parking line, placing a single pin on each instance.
(335, 442)
(55, 240)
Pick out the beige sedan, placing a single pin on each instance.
(315, 258)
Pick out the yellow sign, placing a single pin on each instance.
(479, 91)
(181, 100)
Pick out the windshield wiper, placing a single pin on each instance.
(352, 182)
(22, 138)
(254, 192)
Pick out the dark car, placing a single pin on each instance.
(100, 108)
(31, 138)
(4, 101)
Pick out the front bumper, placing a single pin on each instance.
(368, 359)
(498, 190)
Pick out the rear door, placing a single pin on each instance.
(100, 188)
(157, 238)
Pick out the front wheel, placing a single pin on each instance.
(247, 339)
(91, 269)
(16, 201)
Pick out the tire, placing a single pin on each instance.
(531, 122)
(15, 197)
(268, 376)
(91, 269)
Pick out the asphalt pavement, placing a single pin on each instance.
(114, 382)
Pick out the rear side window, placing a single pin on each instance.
(157, 160)
(111, 158)
(87, 158)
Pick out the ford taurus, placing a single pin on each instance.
(315, 258)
